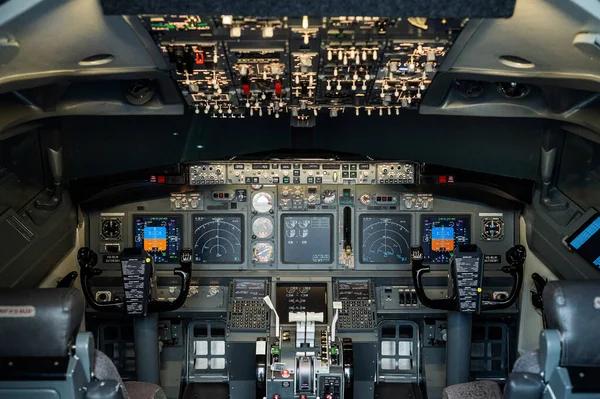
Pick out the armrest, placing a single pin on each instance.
(524, 386)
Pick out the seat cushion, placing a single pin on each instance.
(144, 390)
(105, 369)
(473, 390)
(529, 362)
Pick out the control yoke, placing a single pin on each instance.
(136, 266)
(466, 280)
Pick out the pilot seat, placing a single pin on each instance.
(43, 354)
(567, 364)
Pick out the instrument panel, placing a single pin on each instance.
(291, 227)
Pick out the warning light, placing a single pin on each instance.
(479, 289)
(160, 180)
(200, 58)
(277, 88)
(148, 260)
(285, 373)
(220, 195)
(246, 88)
(442, 179)
(152, 179)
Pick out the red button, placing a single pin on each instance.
(220, 195)
(442, 179)
(329, 396)
(278, 88)
(285, 373)
(303, 396)
(200, 58)
(161, 179)
(276, 396)
(246, 88)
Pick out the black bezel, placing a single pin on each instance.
(383, 215)
(331, 237)
(161, 215)
(438, 215)
(242, 238)
(577, 232)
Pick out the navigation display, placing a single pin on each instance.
(160, 236)
(385, 239)
(218, 239)
(292, 297)
(249, 290)
(353, 290)
(442, 234)
(586, 241)
(307, 238)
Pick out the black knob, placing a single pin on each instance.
(516, 255)
(86, 257)
(416, 253)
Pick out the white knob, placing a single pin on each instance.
(396, 93)
(364, 55)
(305, 22)
(267, 32)
(374, 54)
(297, 80)
(364, 86)
(310, 80)
(339, 86)
(357, 59)
(243, 70)
(357, 111)
(335, 71)
(328, 87)
(316, 112)
(235, 31)
(345, 61)
(367, 76)
(353, 85)
(329, 55)
(340, 55)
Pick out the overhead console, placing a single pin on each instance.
(228, 66)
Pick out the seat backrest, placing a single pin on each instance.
(573, 308)
(41, 353)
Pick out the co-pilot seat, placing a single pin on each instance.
(43, 356)
(567, 364)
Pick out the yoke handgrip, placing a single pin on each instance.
(87, 259)
(418, 269)
(516, 257)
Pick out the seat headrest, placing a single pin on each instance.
(573, 308)
(39, 322)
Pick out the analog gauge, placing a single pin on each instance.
(262, 227)
(303, 233)
(263, 252)
(290, 233)
(111, 229)
(493, 229)
(365, 199)
(290, 223)
(328, 196)
(291, 290)
(262, 202)
(304, 290)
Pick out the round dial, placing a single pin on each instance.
(263, 252)
(493, 229)
(111, 228)
(262, 227)
(365, 199)
(262, 202)
(328, 196)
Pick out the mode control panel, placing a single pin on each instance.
(304, 172)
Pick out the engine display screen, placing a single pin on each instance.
(293, 297)
(218, 239)
(442, 234)
(385, 239)
(160, 236)
(586, 241)
(249, 290)
(307, 238)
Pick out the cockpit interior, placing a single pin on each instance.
(299, 200)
